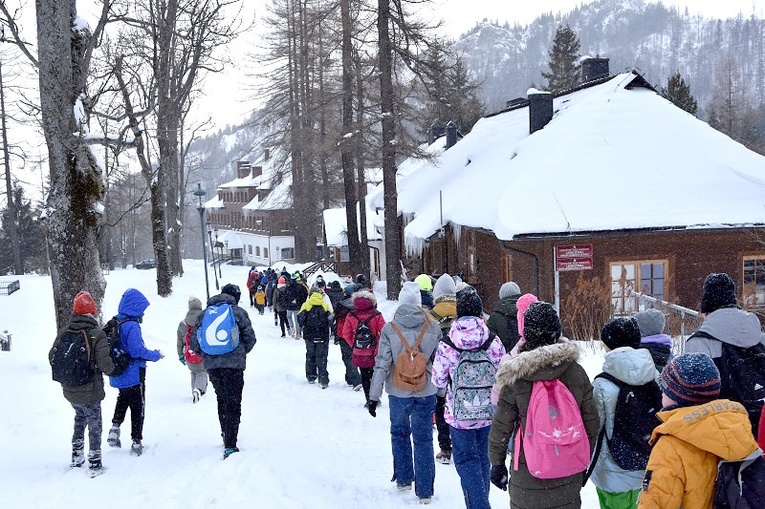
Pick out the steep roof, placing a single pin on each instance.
(615, 156)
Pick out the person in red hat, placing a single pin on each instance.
(84, 389)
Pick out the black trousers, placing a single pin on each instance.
(444, 439)
(366, 380)
(283, 320)
(316, 353)
(133, 398)
(87, 416)
(228, 384)
(352, 376)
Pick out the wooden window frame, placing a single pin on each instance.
(621, 304)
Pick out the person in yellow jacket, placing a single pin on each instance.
(697, 431)
(315, 318)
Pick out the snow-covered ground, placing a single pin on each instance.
(301, 447)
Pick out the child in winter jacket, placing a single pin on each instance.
(86, 399)
(504, 319)
(342, 305)
(132, 383)
(543, 357)
(624, 360)
(470, 432)
(260, 299)
(653, 339)
(697, 431)
(315, 319)
(197, 369)
(522, 304)
(411, 412)
(364, 311)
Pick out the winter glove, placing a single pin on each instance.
(182, 359)
(499, 476)
(373, 408)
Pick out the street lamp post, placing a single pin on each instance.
(209, 233)
(200, 194)
(219, 245)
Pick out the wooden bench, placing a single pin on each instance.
(8, 287)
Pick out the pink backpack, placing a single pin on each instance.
(554, 442)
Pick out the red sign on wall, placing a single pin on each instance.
(573, 257)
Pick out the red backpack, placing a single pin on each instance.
(190, 355)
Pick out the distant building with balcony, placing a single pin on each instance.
(249, 218)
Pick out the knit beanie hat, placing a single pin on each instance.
(508, 290)
(650, 321)
(690, 379)
(469, 303)
(460, 285)
(522, 304)
(84, 304)
(541, 325)
(232, 290)
(425, 282)
(410, 294)
(444, 289)
(194, 302)
(719, 292)
(281, 281)
(621, 332)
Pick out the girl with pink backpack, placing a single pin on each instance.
(547, 396)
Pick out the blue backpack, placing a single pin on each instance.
(218, 333)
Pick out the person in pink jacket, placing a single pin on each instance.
(469, 423)
(364, 311)
(523, 303)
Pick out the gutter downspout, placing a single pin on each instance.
(534, 258)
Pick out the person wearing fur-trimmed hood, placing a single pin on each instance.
(364, 305)
(544, 356)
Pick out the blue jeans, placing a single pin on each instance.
(413, 416)
(470, 451)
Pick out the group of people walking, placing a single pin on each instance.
(494, 384)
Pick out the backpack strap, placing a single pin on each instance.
(484, 346)
(410, 350)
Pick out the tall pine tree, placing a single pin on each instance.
(679, 94)
(564, 61)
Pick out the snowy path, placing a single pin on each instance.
(300, 446)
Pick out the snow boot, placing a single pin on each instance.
(444, 457)
(114, 437)
(78, 456)
(229, 451)
(195, 395)
(96, 468)
(137, 448)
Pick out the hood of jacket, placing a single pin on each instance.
(469, 332)
(192, 315)
(507, 307)
(720, 427)
(315, 299)
(363, 300)
(733, 326)
(133, 303)
(81, 322)
(543, 363)
(631, 366)
(221, 297)
(410, 316)
(657, 339)
(446, 308)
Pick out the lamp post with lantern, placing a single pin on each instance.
(200, 194)
(212, 251)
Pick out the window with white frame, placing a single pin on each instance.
(649, 277)
(754, 281)
(257, 251)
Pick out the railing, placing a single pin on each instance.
(322, 265)
(8, 287)
(680, 322)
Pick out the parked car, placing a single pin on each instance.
(146, 264)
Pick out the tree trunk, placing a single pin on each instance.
(71, 221)
(13, 234)
(392, 240)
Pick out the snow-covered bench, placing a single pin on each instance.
(8, 287)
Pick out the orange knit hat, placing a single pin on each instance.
(84, 304)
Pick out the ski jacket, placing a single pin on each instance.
(504, 322)
(191, 319)
(633, 367)
(686, 448)
(321, 332)
(466, 333)
(363, 307)
(730, 325)
(132, 306)
(252, 281)
(517, 378)
(93, 391)
(260, 298)
(410, 320)
(660, 346)
(237, 358)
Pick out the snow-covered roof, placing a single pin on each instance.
(232, 240)
(335, 226)
(272, 178)
(214, 203)
(611, 158)
(278, 198)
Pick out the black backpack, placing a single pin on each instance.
(741, 484)
(742, 376)
(316, 324)
(71, 359)
(364, 338)
(119, 356)
(634, 421)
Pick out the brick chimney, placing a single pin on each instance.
(257, 171)
(594, 68)
(243, 169)
(540, 109)
(266, 154)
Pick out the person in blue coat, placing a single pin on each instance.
(132, 383)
